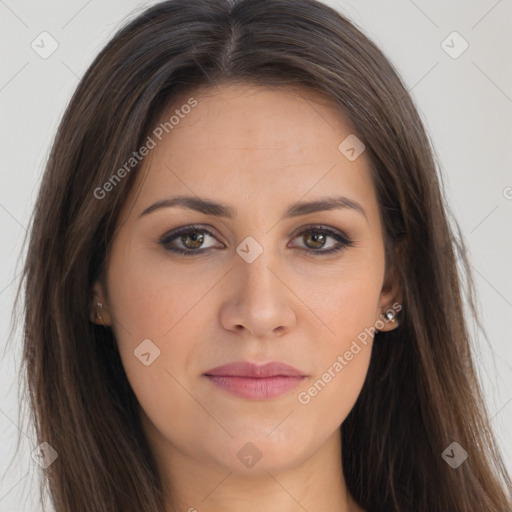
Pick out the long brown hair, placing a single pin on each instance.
(421, 392)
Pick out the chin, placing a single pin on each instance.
(259, 454)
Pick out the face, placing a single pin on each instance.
(188, 290)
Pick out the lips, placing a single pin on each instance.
(256, 382)
(247, 369)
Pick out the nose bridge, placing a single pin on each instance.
(258, 266)
(258, 296)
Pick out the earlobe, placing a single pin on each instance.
(99, 313)
(388, 319)
(390, 301)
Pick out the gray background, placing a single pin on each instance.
(466, 103)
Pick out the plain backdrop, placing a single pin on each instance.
(464, 97)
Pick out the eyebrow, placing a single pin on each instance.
(209, 207)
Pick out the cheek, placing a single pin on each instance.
(347, 309)
(342, 353)
(151, 299)
(150, 303)
(346, 300)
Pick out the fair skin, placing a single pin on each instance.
(257, 150)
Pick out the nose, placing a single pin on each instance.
(259, 302)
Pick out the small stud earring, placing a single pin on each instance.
(100, 305)
(390, 316)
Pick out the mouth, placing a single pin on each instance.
(255, 382)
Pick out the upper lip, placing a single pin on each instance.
(248, 369)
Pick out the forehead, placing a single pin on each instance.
(261, 117)
(248, 141)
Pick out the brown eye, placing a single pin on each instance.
(315, 239)
(194, 238)
(189, 240)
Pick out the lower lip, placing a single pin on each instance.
(255, 388)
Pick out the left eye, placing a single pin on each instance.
(192, 238)
(317, 237)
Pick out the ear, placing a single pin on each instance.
(100, 312)
(390, 301)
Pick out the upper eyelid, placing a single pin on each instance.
(173, 233)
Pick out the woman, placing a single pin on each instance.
(241, 285)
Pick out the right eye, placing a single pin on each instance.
(190, 238)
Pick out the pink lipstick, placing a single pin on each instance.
(255, 382)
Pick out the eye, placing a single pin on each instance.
(191, 239)
(315, 238)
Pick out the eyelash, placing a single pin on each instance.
(343, 241)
